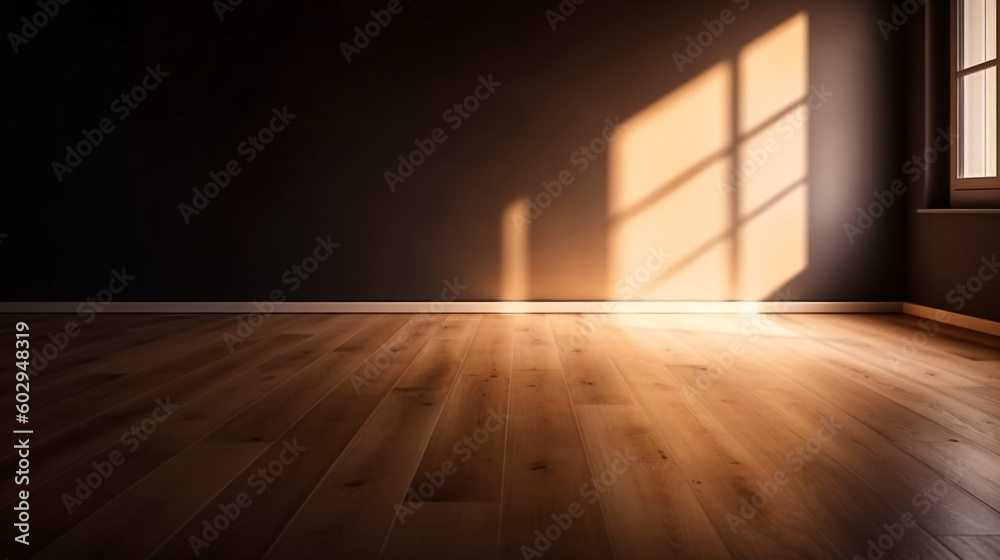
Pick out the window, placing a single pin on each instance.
(974, 181)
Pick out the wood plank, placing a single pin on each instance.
(82, 353)
(550, 503)
(101, 534)
(38, 323)
(852, 513)
(968, 343)
(52, 417)
(69, 388)
(71, 445)
(719, 468)
(932, 443)
(974, 548)
(101, 322)
(470, 435)
(584, 362)
(935, 404)
(888, 356)
(938, 351)
(892, 473)
(72, 450)
(651, 510)
(94, 343)
(534, 346)
(469, 530)
(263, 402)
(325, 429)
(351, 509)
(896, 476)
(207, 330)
(709, 405)
(482, 392)
(61, 426)
(66, 367)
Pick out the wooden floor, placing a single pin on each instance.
(511, 436)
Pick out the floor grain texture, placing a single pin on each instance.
(511, 437)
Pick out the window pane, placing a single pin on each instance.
(978, 153)
(979, 32)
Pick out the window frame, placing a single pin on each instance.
(973, 192)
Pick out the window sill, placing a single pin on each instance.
(959, 211)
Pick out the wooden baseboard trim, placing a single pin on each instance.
(694, 307)
(957, 319)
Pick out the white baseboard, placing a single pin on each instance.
(693, 307)
(728, 307)
(952, 318)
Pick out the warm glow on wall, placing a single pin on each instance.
(772, 199)
(773, 73)
(716, 173)
(663, 176)
(514, 252)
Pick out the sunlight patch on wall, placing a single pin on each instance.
(774, 72)
(772, 202)
(663, 175)
(515, 251)
(716, 173)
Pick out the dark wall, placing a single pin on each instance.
(323, 175)
(946, 251)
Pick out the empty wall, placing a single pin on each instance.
(553, 91)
